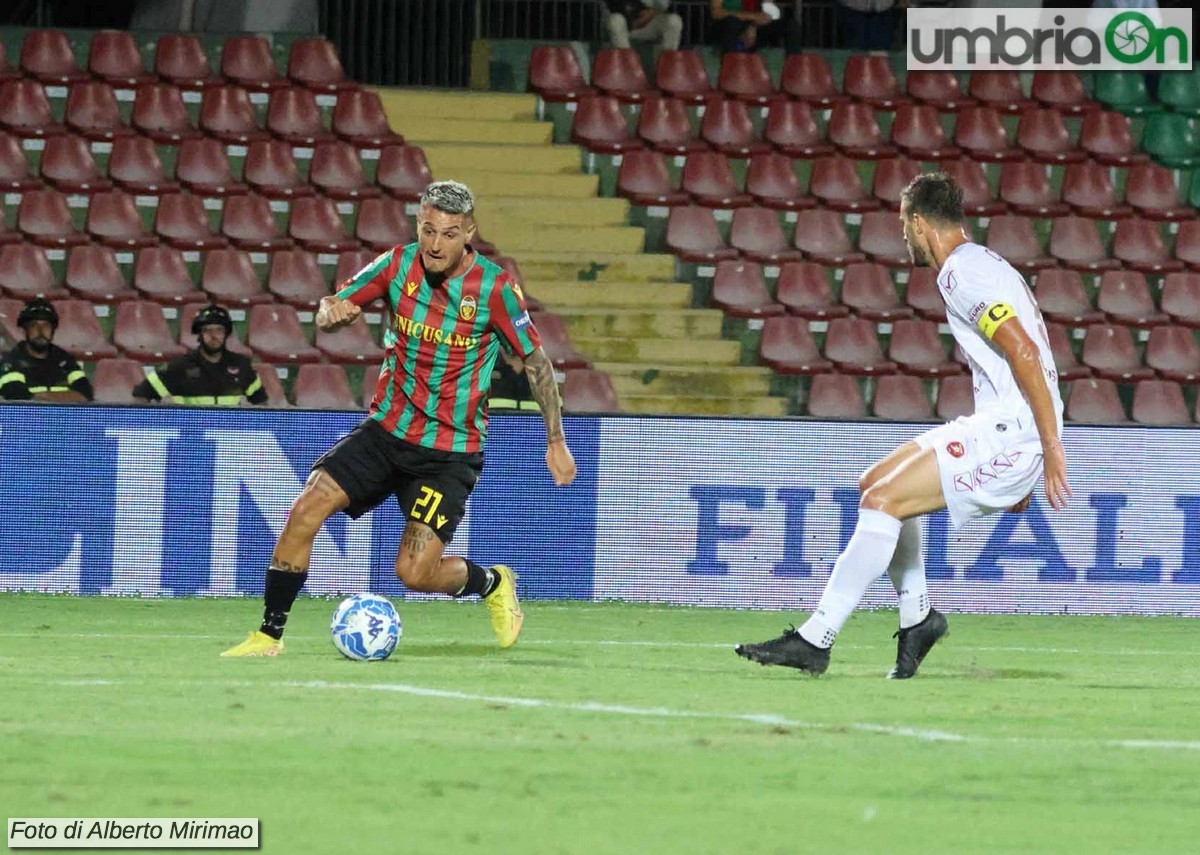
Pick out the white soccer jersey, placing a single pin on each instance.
(972, 280)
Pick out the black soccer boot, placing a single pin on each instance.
(915, 642)
(790, 650)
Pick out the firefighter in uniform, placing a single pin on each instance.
(210, 374)
(39, 369)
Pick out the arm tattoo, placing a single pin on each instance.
(542, 384)
(288, 567)
(416, 538)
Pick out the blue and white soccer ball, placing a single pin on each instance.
(366, 627)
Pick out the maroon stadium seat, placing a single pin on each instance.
(902, 398)
(180, 60)
(349, 264)
(338, 173)
(939, 89)
(821, 236)
(1069, 367)
(1173, 353)
(114, 380)
(618, 72)
(680, 74)
(203, 168)
(917, 348)
(229, 278)
(557, 342)
(771, 180)
(555, 75)
(159, 113)
(806, 77)
(10, 310)
(881, 237)
(68, 166)
(227, 114)
(1043, 136)
(316, 225)
(293, 116)
(403, 172)
(182, 222)
(271, 171)
(1181, 298)
(94, 275)
(852, 345)
(981, 134)
(44, 218)
(25, 111)
(25, 273)
(1089, 191)
(643, 179)
(978, 200)
(836, 396)
(15, 175)
(788, 347)
(1138, 244)
(1187, 244)
(1110, 352)
(350, 344)
(869, 78)
(757, 235)
(585, 390)
(268, 375)
(135, 167)
(917, 131)
(314, 63)
(892, 175)
(791, 129)
(79, 330)
(140, 331)
(113, 57)
(726, 127)
(1000, 90)
(921, 292)
(382, 224)
(740, 292)
(246, 61)
(1124, 296)
(1151, 189)
(296, 279)
(1013, 237)
(1061, 90)
(92, 111)
(1105, 135)
(249, 223)
(601, 127)
(854, 130)
(1025, 188)
(1075, 242)
(868, 290)
(744, 76)
(1062, 298)
(1095, 400)
(160, 274)
(955, 397)
(274, 334)
(835, 183)
(359, 119)
(46, 55)
(708, 179)
(114, 221)
(323, 387)
(803, 289)
(692, 235)
(1159, 402)
(370, 382)
(665, 126)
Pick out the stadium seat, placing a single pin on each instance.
(1159, 402)
(1075, 243)
(1062, 91)
(758, 236)
(922, 294)
(1062, 298)
(881, 237)
(229, 279)
(323, 387)
(1125, 298)
(1151, 189)
(160, 114)
(10, 310)
(1043, 136)
(555, 75)
(740, 291)
(772, 181)
(140, 331)
(892, 175)
(316, 225)
(296, 279)
(1110, 352)
(1089, 190)
(854, 130)
(94, 275)
(744, 76)
(134, 165)
(25, 273)
(44, 218)
(708, 179)
(359, 119)
(1000, 90)
(665, 126)
(203, 168)
(270, 170)
(1187, 244)
(15, 175)
(268, 375)
(113, 57)
(917, 131)
(1025, 188)
(791, 129)
(643, 179)
(351, 344)
(557, 342)
(978, 200)
(79, 330)
(350, 263)
(835, 396)
(246, 61)
(1138, 244)
(835, 183)
(692, 234)
(869, 78)
(161, 274)
(114, 379)
(227, 114)
(382, 224)
(1107, 138)
(1094, 400)
(1125, 91)
(939, 89)
(901, 398)
(113, 220)
(788, 347)
(803, 289)
(1181, 298)
(601, 127)
(680, 74)
(981, 134)
(852, 345)
(67, 166)
(403, 172)
(249, 223)
(955, 397)
(92, 111)
(618, 72)
(1013, 237)
(821, 235)
(726, 127)
(1172, 352)
(182, 222)
(337, 172)
(868, 290)
(180, 60)
(274, 334)
(187, 338)
(585, 390)
(46, 56)
(806, 77)
(1171, 140)
(314, 64)
(370, 382)
(293, 116)
(1068, 366)
(25, 111)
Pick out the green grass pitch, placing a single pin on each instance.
(610, 728)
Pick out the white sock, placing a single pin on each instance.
(907, 572)
(864, 560)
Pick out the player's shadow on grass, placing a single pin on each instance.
(976, 672)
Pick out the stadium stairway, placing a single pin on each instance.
(625, 310)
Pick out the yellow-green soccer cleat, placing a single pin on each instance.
(256, 644)
(505, 609)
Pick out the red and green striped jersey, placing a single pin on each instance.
(441, 346)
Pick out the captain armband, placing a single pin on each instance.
(995, 315)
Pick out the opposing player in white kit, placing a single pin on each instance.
(976, 465)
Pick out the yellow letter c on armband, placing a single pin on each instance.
(995, 315)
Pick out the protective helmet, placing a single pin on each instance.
(38, 309)
(212, 314)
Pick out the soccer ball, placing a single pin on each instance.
(365, 627)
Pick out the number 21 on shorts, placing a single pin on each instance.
(426, 505)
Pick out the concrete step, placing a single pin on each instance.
(650, 379)
(404, 104)
(538, 211)
(546, 266)
(639, 323)
(559, 295)
(451, 159)
(705, 405)
(488, 184)
(420, 130)
(514, 237)
(665, 350)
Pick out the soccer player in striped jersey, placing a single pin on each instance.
(976, 465)
(422, 441)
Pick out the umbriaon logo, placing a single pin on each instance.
(1049, 39)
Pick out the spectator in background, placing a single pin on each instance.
(37, 368)
(867, 25)
(510, 387)
(743, 26)
(643, 21)
(210, 374)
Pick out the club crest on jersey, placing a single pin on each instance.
(466, 309)
(956, 449)
(411, 287)
(516, 286)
